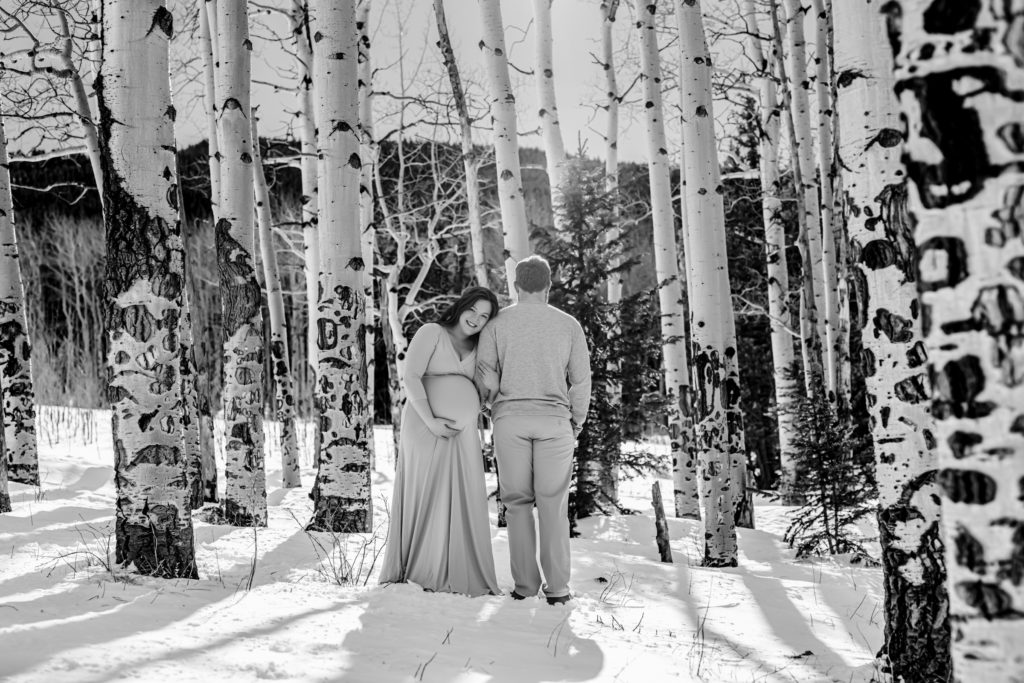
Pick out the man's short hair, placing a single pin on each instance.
(533, 274)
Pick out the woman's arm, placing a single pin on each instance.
(422, 347)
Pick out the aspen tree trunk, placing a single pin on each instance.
(190, 395)
(960, 83)
(609, 8)
(666, 264)
(609, 476)
(207, 33)
(207, 46)
(719, 433)
(5, 494)
(798, 86)
(470, 158)
(245, 495)
(551, 129)
(143, 291)
(302, 32)
(810, 346)
(515, 227)
(916, 603)
(825, 113)
(368, 153)
(779, 316)
(82, 107)
(279, 357)
(341, 494)
(188, 371)
(20, 452)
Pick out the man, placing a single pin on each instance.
(534, 367)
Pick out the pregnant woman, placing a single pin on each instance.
(440, 535)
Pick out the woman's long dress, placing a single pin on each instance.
(440, 533)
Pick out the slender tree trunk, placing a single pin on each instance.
(190, 399)
(245, 497)
(367, 226)
(5, 494)
(779, 316)
(308, 167)
(207, 34)
(515, 227)
(188, 372)
(961, 106)
(609, 476)
(719, 432)
(144, 281)
(279, 357)
(609, 8)
(551, 129)
(86, 118)
(19, 412)
(666, 264)
(916, 603)
(825, 113)
(341, 494)
(798, 87)
(810, 346)
(470, 158)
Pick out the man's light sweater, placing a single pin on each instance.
(532, 359)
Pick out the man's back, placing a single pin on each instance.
(536, 357)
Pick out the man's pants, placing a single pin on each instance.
(534, 455)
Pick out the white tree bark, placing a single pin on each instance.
(780, 318)
(916, 604)
(960, 82)
(207, 33)
(279, 357)
(19, 452)
(666, 264)
(824, 112)
(544, 75)
(470, 159)
(341, 495)
(718, 432)
(515, 227)
(609, 9)
(144, 283)
(245, 497)
(367, 226)
(303, 34)
(208, 50)
(5, 494)
(799, 87)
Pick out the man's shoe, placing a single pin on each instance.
(560, 600)
(517, 596)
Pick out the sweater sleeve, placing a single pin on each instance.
(579, 379)
(487, 370)
(417, 357)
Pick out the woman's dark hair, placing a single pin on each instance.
(466, 301)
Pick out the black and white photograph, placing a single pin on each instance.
(512, 341)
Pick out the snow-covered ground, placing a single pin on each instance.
(268, 605)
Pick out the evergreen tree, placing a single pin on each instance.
(583, 259)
